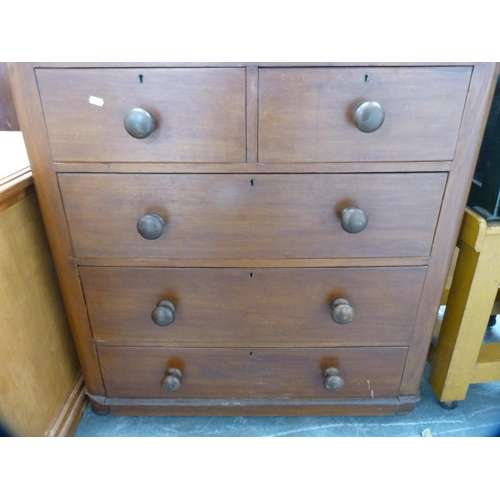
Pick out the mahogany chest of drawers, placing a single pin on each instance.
(253, 239)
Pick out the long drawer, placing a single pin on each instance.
(308, 114)
(252, 306)
(200, 113)
(138, 372)
(244, 216)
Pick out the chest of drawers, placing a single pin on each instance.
(253, 239)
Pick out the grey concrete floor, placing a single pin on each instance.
(476, 416)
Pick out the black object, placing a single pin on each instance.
(4, 432)
(484, 196)
(449, 405)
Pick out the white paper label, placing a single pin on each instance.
(96, 100)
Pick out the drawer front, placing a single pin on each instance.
(263, 306)
(306, 114)
(243, 216)
(199, 113)
(137, 372)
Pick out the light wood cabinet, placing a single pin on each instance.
(41, 386)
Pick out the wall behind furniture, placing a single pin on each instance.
(8, 116)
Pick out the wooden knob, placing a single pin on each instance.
(353, 219)
(172, 381)
(150, 226)
(342, 311)
(333, 381)
(139, 123)
(164, 313)
(368, 116)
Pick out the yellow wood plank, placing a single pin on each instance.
(472, 294)
(489, 372)
(487, 368)
(489, 353)
(473, 229)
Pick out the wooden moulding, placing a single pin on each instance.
(240, 64)
(251, 167)
(68, 417)
(15, 187)
(252, 263)
(254, 407)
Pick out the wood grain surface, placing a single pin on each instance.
(305, 114)
(243, 216)
(246, 373)
(200, 113)
(268, 307)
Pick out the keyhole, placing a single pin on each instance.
(367, 78)
(251, 353)
(251, 182)
(251, 275)
(140, 78)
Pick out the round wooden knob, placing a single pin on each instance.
(164, 313)
(150, 226)
(139, 123)
(353, 219)
(368, 116)
(333, 381)
(172, 381)
(342, 311)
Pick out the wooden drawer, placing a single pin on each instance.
(263, 306)
(200, 114)
(305, 114)
(243, 216)
(137, 372)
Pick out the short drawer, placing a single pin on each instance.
(264, 306)
(139, 372)
(242, 216)
(306, 114)
(199, 114)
